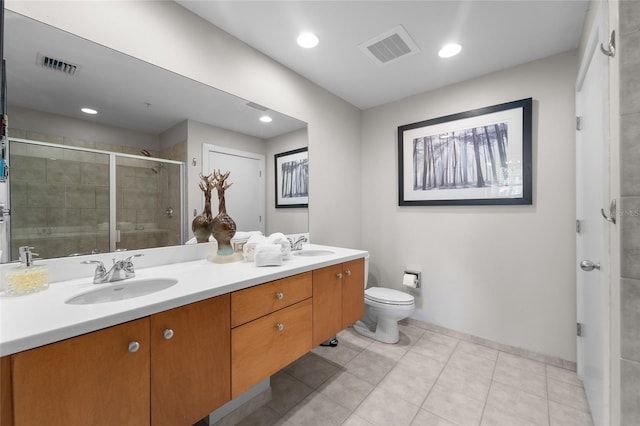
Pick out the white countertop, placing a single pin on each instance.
(41, 318)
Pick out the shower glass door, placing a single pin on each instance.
(68, 201)
(59, 200)
(147, 197)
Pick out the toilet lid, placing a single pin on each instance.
(388, 296)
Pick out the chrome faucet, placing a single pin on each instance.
(120, 270)
(297, 243)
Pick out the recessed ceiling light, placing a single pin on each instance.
(266, 119)
(89, 111)
(449, 50)
(307, 40)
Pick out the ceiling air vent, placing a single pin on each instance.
(257, 106)
(57, 65)
(389, 46)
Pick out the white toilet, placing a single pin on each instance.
(383, 308)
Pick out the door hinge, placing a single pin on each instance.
(4, 212)
(579, 329)
(578, 123)
(578, 226)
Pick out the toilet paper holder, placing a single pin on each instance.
(417, 274)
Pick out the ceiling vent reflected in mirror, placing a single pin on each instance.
(55, 64)
(389, 46)
(257, 106)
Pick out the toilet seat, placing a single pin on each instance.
(388, 296)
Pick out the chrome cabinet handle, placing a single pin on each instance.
(168, 334)
(588, 266)
(339, 275)
(134, 346)
(280, 326)
(347, 272)
(279, 295)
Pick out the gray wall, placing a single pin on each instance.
(286, 220)
(630, 210)
(503, 273)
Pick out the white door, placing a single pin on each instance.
(592, 168)
(245, 198)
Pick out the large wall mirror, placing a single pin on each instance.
(126, 177)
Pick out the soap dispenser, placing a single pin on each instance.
(26, 277)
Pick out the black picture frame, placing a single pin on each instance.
(477, 157)
(292, 178)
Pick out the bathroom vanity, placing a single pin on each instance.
(173, 356)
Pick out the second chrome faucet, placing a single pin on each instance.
(120, 270)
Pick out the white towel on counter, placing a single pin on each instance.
(250, 246)
(284, 243)
(268, 255)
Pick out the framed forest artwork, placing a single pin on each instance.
(478, 157)
(292, 178)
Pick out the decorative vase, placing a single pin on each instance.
(201, 228)
(202, 224)
(223, 227)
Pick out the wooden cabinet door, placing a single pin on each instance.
(6, 407)
(93, 379)
(190, 361)
(327, 303)
(264, 346)
(352, 292)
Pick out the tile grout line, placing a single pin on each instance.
(436, 381)
(493, 373)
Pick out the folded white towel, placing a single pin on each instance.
(267, 255)
(249, 247)
(284, 243)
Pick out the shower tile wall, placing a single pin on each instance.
(66, 192)
(171, 191)
(58, 202)
(138, 205)
(629, 13)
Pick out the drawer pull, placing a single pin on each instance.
(339, 275)
(279, 295)
(348, 272)
(134, 346)
(168, 333)
(280, 326)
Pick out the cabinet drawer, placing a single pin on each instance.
(255, 302)
(261, 348)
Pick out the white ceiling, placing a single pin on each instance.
(494, 34)
(127, 92)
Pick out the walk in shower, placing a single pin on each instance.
(68, 200)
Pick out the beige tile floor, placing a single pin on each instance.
(426, 379)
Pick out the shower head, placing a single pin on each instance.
(157, 168)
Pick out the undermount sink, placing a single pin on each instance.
(122, 290)
(313, 252)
